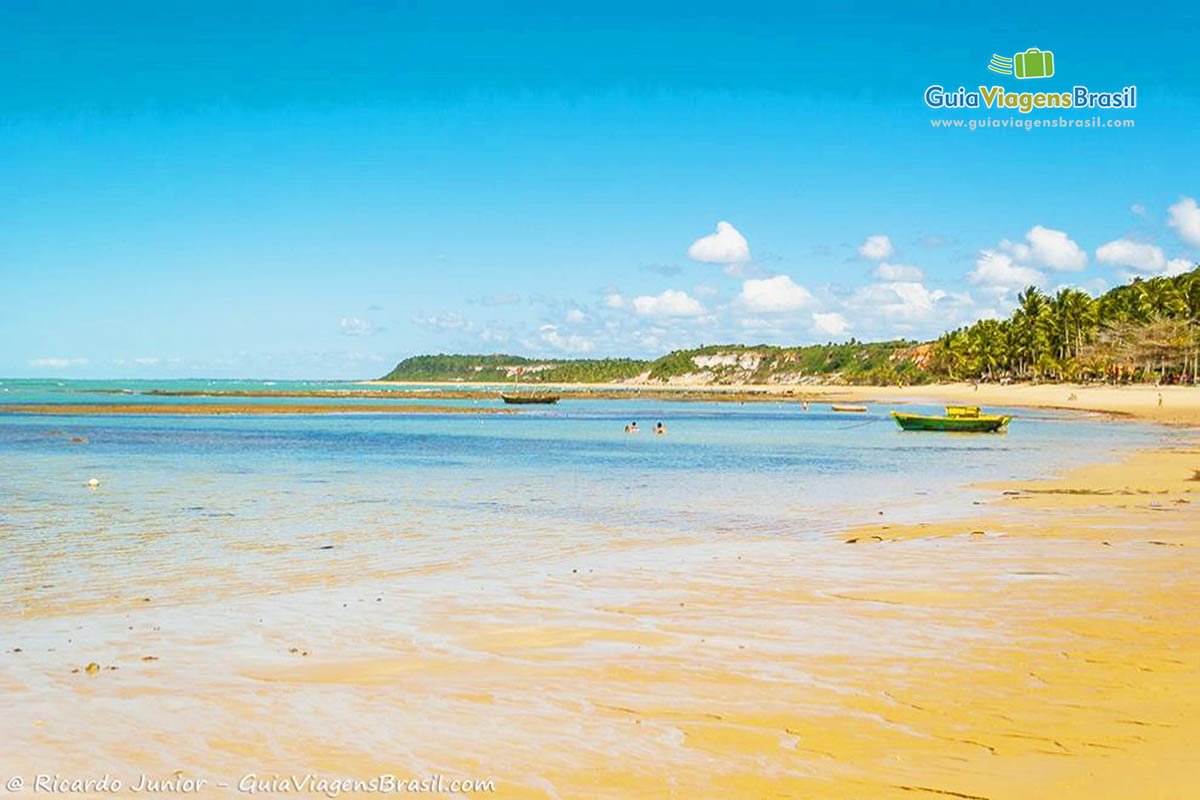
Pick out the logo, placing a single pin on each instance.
(1033, 63)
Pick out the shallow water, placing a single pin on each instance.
(232, 503)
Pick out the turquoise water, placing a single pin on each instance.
(230, 504)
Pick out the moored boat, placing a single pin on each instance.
(952, 423)
(530, 399)
(849, 409)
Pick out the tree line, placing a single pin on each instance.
(1146, 330)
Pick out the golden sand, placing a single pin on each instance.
(1048, 649)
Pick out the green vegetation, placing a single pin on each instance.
(851, 362)
(1145, 330)
(506, 368)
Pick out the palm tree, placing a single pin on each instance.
(1159, 297)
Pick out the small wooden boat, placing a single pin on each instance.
(952, 423)
(530, 399)
(849, 409)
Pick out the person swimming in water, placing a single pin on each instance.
(631, 427)
(660, 429)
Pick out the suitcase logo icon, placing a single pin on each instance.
(1033, 63)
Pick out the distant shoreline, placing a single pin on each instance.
(1181, 404)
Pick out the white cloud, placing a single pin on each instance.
(146, 362)
(726, 246)
(1178, 266)
(614, 300)
(909, 308)
(1144, 258)
(574, 315)
(1138, 209)
(671, 303)
(572, 343)
(898, 300)
(56, 363)
(772, 295)
(705, 290)
(353, 326)
(1047, 248)
(831, 324)
(998, 270)
(1055, 250)
(876, 248)
(1141, 258)
(898, 272)
(1184, 217)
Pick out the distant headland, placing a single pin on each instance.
(1145, 331)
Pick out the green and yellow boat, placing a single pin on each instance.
(958, 419)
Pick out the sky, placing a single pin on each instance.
(318, 190)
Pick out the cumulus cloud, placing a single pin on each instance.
(353, 326)
(898, 272)
(774, 295)
(614, 300)
(56, 363)
(670, 303)
(830, 324)
(1141, 258)
(1184, 217)
(1048, 248)
(1055, 250)
(726, 246)
(574, 315)
(1138, 256)
(571, 343)
(1178, 266)
(908, 307)
(876, 248)
(998, 270)
(898, 300)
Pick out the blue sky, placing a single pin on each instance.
(319, 190)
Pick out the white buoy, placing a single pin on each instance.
(93, 483)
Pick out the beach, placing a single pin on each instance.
(913, 634)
